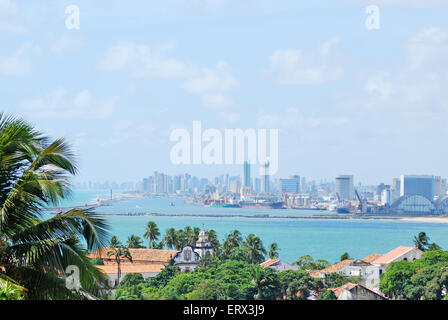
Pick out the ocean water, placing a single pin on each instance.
(320, 238)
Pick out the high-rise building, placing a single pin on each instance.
(257, 185)
(422, 185)
(245, 179)
(235, 186)
(344, 187)
(439, 187)
(291, 185)
(265, 187)
(395, 190)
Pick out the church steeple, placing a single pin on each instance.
(203, 244)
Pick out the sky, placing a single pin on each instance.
(345, 99)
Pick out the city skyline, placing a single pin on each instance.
(344, 98)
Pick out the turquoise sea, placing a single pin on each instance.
(320, 238)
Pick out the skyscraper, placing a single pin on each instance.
(265, 188)
(291, 185)
(422, 185)
(245, 179)
(344, 187)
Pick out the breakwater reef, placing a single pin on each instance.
(257, 216)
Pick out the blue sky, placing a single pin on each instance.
(346, 100)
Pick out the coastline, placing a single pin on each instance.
(426, 219)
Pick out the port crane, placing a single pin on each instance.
(362, 206)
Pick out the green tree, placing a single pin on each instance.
(434, 247)
(297, 284)
(161, 279)
(35, 175)
(132, 279)
(308, 263)
(328, 295)
(134, 242)
(256, 251)
(208, 289)
(152, 233)
(421, 241)
(266, 283)
(170, 238)
(273, 251)
(233, 240)
(214, 241)
(345, 256)
(118, 252)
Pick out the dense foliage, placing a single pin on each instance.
(424, 278)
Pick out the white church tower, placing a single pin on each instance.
(203, 244)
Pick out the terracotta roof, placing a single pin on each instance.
(371, 258)
(393, 255)
(314, 273)
(269, 262)
(337, 291)
(139, 255)
(132, 268)
(349, 286)
(336, 267)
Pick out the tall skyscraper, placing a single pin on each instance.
(344, 186)
(422, 185)
(245, 179)
(265, 187)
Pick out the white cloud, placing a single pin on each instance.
(143, 61)
(18, 63)
(65, 43)
(212, 85)
(418, 85)
(9, 12)
(60, 104)
(304, 67)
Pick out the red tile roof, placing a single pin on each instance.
(392, 255)
(337, 291)
(336, 267)
(371, 258)
(132, 268)
(139, 255)
(269, 262)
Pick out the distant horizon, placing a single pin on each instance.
(344, 96)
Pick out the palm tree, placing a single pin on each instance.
(273, 251)
(134, 242)
(152, 233)
(119, 252)
(421, 241)
(170, 238)
(35, 251)
(233, 240)
(256, 251)
(214, 241)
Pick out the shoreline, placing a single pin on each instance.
(262, 216)
(426, 219)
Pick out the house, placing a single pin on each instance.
(278, 265)
(371, 267)
(398, 254)
(148, 262)
(352, 291)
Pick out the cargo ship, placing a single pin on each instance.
(225, 205)
(262, 205)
